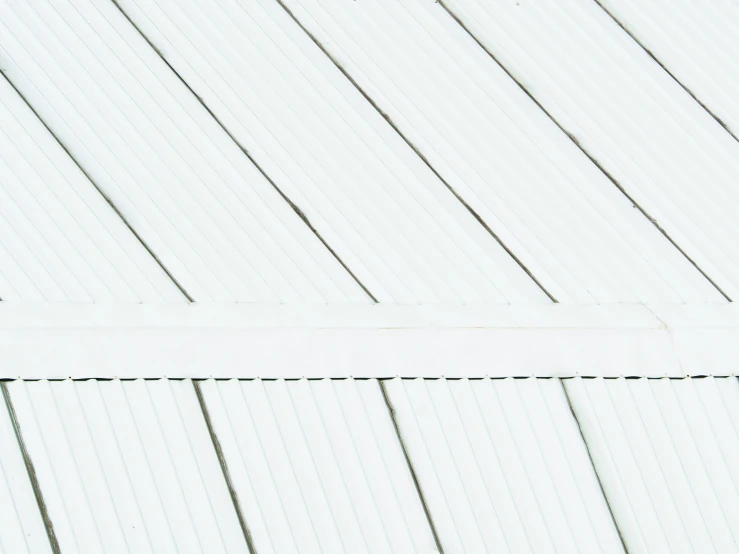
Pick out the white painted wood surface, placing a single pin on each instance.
(202, 207)
(59, 239)
(403, 233)
(666, 451)
(127, 467)
(317, 466)
(548, 202)
(367, 341)
(663, 148)
(503, 466)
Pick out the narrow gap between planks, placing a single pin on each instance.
(415, 149)
(626, 30)
(412, 470)
(48, 526)
(246, 153)
(224, 468)
(100, 191)
(592, 464)
(590, 157)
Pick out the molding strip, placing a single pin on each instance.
(283, 341)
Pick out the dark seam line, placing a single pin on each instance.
(31, 471)
(584, 151)
(224, 467)
(651, 55)
(392, 124)
(416, 482)
(292, 204)
(595, 469)
(94, 184)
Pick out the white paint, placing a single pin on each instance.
(391, 220)
(503, 466)
(337, 316)
(696, 41)
(663, 148)
(379, 341)
(22, 530)
(203, 208)
(272, 353)
(317, 467)
(667, 452)
(127, 467)
(60, 241)
(548, 202)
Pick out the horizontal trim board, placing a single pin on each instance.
(294, 353)
(330, 316)
(317, 466)
(386, 316)
(67, 341)
(126, 467)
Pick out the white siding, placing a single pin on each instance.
(127, 467)
(317, 466)
(502, 466)
(667, 452)
(204, 209)
(663, 148)
(22, 529)
(60, 241)
(696, 41)
(402, 232)
(556, 211)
